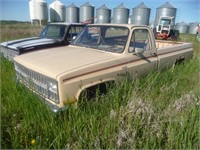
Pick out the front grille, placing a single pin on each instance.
(40, 84)
(8, 53)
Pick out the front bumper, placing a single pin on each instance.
(55, 108)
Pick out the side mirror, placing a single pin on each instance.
(139, 51)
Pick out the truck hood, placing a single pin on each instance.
(55, 61)
(26, 44)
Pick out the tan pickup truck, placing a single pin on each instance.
(100, 54)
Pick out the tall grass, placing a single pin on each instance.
(156, 112)
(18, 30)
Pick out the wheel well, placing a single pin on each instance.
(95, 90)
(179, 61)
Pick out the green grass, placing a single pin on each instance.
(156, 112)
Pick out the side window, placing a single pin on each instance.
(74, 31)
(140, 40)
(55, 32)
(116, 36)
(78, 29)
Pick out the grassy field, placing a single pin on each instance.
(160, 111)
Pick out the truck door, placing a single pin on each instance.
(141, 53)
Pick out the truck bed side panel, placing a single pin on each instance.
(170, 55)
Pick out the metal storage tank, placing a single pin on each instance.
(193, 28)
(72, 14)
(38, 11)
(140, 15)
(129, 19)
(120, 14)
(103, 14)
(151, 24)
(182, 27)
(57, 11)
(165, 10)
(87, 13)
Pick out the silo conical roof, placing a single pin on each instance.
(103, 7)
(121, 6)
(57, 2)
(72, 5)
(166, 5)
(142, 5)
(87, 4)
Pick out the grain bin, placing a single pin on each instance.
(165, 10)
(38, 11)
(129, 19)
(103, 14)
(140, 15)
(120, 14)
(72, 14)
(87, 13)
(57, 11)
(182, 27)
(193, 28)
(151, 24)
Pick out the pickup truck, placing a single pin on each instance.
(53, 35)
(100, 54)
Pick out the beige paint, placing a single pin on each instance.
(77, 68)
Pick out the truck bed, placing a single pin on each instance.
(163, 44)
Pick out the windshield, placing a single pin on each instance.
(54, 32)
(165, 21)
(106, 38)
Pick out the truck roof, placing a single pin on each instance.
(120, 25)
(105, 24)
(65, 23)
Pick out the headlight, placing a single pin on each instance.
(53, 90)
(52, 87)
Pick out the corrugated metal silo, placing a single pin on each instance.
(72, 14)
(87, 13)
(151, 24)
(182, 27)
(38, 11)
(120, 14)
(129, 19)
(57, 11)
(166, 10)
(193, 28)
(140, 15)
(103, 14)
